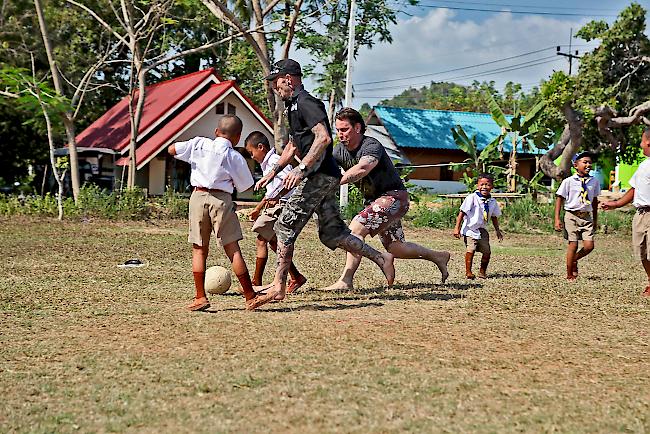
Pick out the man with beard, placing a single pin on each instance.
(316, 181)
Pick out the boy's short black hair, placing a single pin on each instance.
(257, 137)
(485, 176)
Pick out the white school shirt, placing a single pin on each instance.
(473, 208)
(215, 164)
(275, 186)
(571, 189)
(641, 183)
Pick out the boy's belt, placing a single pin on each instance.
(581, 214)
(209, 190)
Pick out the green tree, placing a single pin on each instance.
(606, 103)
(328, 42)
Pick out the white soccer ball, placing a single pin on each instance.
(217, 280)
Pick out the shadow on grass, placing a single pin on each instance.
(271, 307)
(517, 275)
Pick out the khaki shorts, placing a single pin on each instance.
(578, 226)
(641, 235)
(481, 245)
(213, 212)
(264, 223)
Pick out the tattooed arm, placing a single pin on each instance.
(359, 170)
(322, 139)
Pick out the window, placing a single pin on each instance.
(232, 110)
(219, 109)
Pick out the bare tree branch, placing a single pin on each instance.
(99, 20)
(291, 29)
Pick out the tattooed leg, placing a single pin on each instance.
(354, 245)
(278, 292)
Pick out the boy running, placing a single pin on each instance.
(579, 194)
(475, 212)
(639, 195)
(267, 211)
(217, 169)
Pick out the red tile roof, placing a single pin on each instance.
(176, 124)
(113, 129)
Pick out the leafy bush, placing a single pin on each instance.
(442, 217)
(520, 215)
(355, 203)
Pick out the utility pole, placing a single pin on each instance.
(569, 55)
(343, 191)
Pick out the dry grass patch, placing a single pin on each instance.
(91, 347)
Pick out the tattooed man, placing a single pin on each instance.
(367, 165)
(316, 181)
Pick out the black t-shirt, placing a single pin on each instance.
(384, 177)
(304, 112)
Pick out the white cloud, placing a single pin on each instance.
(440, 41)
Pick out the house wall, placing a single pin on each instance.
(157, 175)
(526, 164)
(206, 125)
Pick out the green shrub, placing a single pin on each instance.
(355, 203)
(170, 205)
(442, 217)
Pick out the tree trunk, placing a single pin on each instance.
(567, 146)
(332, 106)
(58, 86)
(55, 170)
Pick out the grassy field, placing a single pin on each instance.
(86, 346)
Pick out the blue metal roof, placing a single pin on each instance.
(431, 129)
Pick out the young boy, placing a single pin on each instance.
(477, 209)
(217, 169)
(267, 211)
(579, 194)
(640, 195)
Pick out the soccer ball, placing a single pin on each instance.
(217, 280)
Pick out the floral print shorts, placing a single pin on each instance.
(383, 216)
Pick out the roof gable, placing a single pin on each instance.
(431, 129)
(113, 129)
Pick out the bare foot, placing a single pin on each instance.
(482, 274)
(470, 276)
(646, 293)
(442, 266)
(272, 295)
(294, 284)
(339, 285)
(199, 304)
(571, 278)
(575, 268)
(388, 267)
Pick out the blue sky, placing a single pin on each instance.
(430, 39)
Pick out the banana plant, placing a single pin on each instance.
(520, 127)
(478, 161)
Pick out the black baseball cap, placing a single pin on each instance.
(579, 155)
(283, 67)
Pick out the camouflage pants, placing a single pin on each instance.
(315, 194)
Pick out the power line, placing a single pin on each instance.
(476, 75)
(456, 69)
(565, 14)
(462, 68)
(523, 6)
(479, 73)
